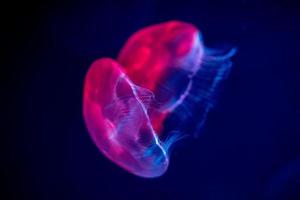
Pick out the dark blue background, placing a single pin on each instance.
(249, 148)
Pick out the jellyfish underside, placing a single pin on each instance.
(128, 101)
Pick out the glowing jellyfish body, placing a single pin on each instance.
(126, 102)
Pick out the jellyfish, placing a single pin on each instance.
(157, 91)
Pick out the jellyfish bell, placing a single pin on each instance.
(115, 113)
(163, 58)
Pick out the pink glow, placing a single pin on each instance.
(127, 100)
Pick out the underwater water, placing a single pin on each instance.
(215, 104)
